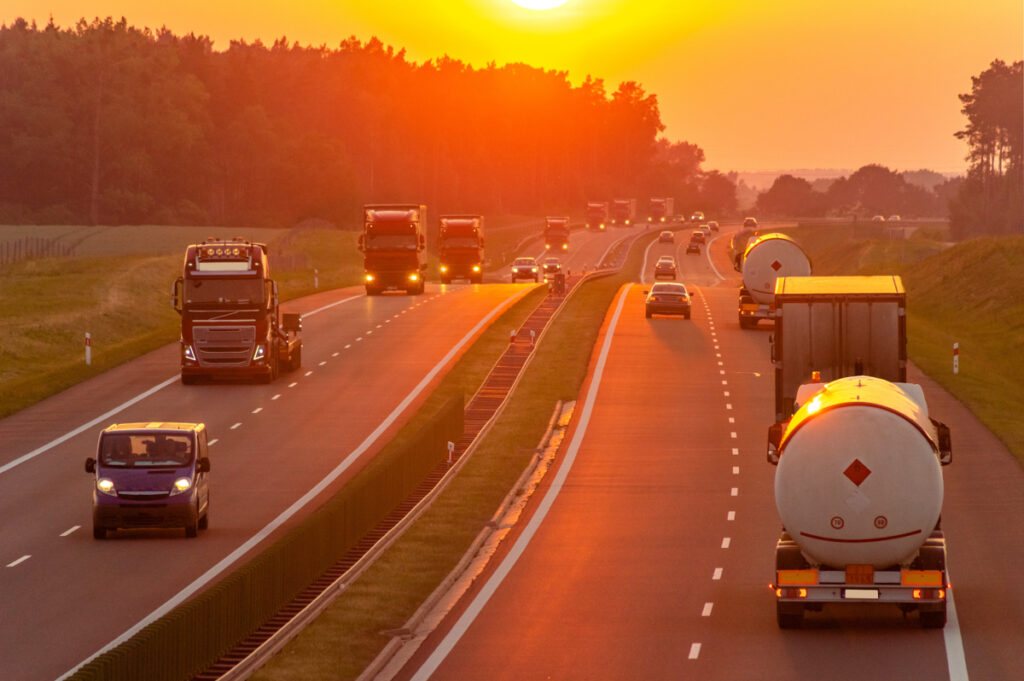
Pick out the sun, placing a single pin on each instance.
(540, 4)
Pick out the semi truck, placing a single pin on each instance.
(660, 209)
(393, 244)
(460, 248)
(765, 259)
(231, 320)
(623, 212)
(858, 484)
(556, 233)
(596, 215)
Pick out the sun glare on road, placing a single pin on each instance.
(540, 4)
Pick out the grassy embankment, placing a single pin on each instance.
(346, 637)
(968, 293)
(117, 288)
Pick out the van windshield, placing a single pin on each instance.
(145, 450)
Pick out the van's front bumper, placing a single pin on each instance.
(112, 513)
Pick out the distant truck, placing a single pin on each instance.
(623, 212)
(231, 320)
(596, 215)
(460, 248)
(556, 233)
(765, 259)
(858, 486)
(660, 209)
(393, 243)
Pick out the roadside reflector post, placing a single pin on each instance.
(533, 338)
(316, 278)
(451, 452)
(88, 349)
(956, 358)
(512, 336)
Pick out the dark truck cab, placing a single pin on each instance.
(231, 320)
(556, 233)
(460, 248)
(393, 244)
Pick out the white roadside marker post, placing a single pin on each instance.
(956, 358)
(88, 349)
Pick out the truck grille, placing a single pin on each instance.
(224, 346)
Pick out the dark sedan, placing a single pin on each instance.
(665, 267)
(667, 298)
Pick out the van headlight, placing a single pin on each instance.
(181, 485)
(106, 486)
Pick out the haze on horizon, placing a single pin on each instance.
(757, 85)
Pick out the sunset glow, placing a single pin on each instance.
(540, 4)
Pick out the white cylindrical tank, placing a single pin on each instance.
(769, 257)
(859, 479)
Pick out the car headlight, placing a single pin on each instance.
(181, 485)
(190, 354)
(369, 277)
(106, 486)
(260, 352)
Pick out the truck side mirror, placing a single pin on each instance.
(481, 242)
(90, 465)
(945, 443)
(360, 242)
(775, 432)
(176, 296)
(203, 465)
(423, 242)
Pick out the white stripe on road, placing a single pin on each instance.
(20, 560)
(725, 542)
(718, 574)
(334, 304)
(694, 651)
(67, 532)
(476, 606)
(954, 643)
(706, 612)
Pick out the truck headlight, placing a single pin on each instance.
(534, 269)
(565, 247)
(106, 486)
(476, 268)
(547, 245)
(444, 268)
(181, 485)
(369, 277)
(259, 353)
(414, 277)
(190, 354)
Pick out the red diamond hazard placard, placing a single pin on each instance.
(776, 265)
(857, 472)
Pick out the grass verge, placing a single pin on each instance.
(347, 636)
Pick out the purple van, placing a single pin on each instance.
(151, 475)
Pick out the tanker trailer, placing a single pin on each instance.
(859, 491)
(765, 259)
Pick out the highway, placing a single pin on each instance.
(276, 451)
(648, 550)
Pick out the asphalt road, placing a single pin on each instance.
(276, 450)
(648, 551)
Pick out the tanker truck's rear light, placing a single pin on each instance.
(791, 592)
(929, 594)
(921, 578)
(815, 377)
(785, 577)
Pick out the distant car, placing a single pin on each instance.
(706, 229)
(552, 266)
(693, 246)
(667, 298)
(750, 223)
(697, 217)
(665, 267)
(525, 268)
(713, 225)
(667, 237)
(698, 236)
(878, 218)
(895, 218)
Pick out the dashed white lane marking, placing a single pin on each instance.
(323, 362)
(257, 410)
(359, 339)
(721, 371)
(694, 651)
(735, 470)
(725, 382)
(732, 420)
(732, 434)
(725, 542)
(369, 332)
(275, 397)
(69, 531)
(213, 441)
(731, 515)
(728, 406)
(706, 612)
(236, 426)
(718, 574)
(309, 373)
(735, 451)
(380, 326)
(292, 384)
(348, 346)
(334, 354)
(386, 321)
(720, 363)
(726, 393)
(20, 560)
(734, 492)
(718, 354)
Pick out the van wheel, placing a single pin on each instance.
(99, 532)
(192, 526)
(204, 522)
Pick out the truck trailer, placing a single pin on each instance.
(858, 484)
(660, 210)
(765, 259)
(231, 320)
(460, 248)
(393, 244)
(623, 212)
(596, 215)
(556, 233)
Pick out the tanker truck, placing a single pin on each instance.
(858, 485)
(460, 248)
(596, 215)
(765, 259)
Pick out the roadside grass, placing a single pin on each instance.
(348, 635)
(966, 293)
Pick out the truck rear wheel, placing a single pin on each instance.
(295, 361)
(789, 616)
(934, 619)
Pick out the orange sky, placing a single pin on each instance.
(758, 84)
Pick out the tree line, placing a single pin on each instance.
(105, 123)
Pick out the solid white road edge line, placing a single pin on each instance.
(955, 660)
(466, 620)
(305, 499)
(330, 305)
(707, 252)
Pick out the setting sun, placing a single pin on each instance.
(540, 4)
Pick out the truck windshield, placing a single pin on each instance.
(145, 450)
(459, 242)
(223, 291)
(391, 241)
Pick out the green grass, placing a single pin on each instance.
(347, 636)
(966, 293)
